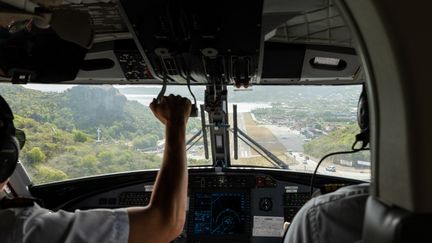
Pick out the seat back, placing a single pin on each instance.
(385, 224)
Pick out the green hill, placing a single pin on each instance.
(338, 140)
(61, 131)
(84, 108)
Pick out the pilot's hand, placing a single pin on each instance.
(172, 110)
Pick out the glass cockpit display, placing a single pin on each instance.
(221, 213)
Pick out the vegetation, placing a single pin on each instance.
(63, 140)
(61, 131)
(338, 140)
(35, 156)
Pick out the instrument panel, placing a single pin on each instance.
(224, 204)
(233, 207)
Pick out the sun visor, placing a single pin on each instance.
(285, 63)
(45, 46)
(39, 56)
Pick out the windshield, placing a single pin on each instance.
(298, 125)
(76, 131)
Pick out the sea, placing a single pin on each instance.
(146, 99)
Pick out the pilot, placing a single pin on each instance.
(337, 216)
(23, 220)
(331, 218)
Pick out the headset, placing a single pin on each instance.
(363, 118)
(9, 145)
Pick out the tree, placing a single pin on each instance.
(79, 136)
(35, 156)
(106, 156)
(89, 165)
(151, 139)
(46, 174)
(140, 143)
(146, 141)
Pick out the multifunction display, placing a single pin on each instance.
(221, 213)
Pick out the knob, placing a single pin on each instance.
(265, 204)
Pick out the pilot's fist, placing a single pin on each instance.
(171, 110)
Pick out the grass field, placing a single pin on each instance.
(261, 161)
(263, 136)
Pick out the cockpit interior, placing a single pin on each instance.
(276, 86)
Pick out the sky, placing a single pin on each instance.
(62, 87)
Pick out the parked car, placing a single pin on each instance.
(331, 168)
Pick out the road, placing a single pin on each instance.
(292, 140)
(310, 165)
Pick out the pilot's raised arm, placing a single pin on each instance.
(161, 221)
(164, 218)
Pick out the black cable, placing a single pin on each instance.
(189, 88)
(194, 108)
(331, 154)
(188, 78)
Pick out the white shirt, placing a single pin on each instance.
(39, 225)
(334, 217)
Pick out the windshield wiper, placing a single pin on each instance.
(266, 154)
(193, 140)
(269, 156)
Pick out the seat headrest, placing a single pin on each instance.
(386, 224)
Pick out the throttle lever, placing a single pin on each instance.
(163, 90)
(194, 109)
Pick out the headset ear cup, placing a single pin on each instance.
(9, 152)
(363, 119)
(9, 145)
(17, 146)
(363, 113)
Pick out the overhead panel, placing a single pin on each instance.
(313, 47)
(323, 26)
(197, 40)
